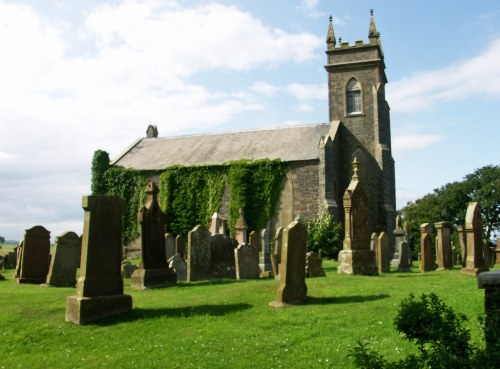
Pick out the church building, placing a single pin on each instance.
(319, 157)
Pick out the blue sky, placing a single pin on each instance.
(77, 76)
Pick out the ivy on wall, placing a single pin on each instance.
(190, 195)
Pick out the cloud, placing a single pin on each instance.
(479, 76)
(264, 88)
(307, 92)
(406, 143)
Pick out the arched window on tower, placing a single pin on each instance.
(353, 97)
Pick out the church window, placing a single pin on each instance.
(353, 96)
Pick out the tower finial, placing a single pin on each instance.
(371, 12)
(373, 35)
(355, 169)
(330, 36)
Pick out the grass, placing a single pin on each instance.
(225, 324)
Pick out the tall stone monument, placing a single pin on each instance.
(153, 270)
(34, 258)
(198, 254)
(99, 289)
(444, 251)
(474, 263)
(356, 256)
(293, 288)
(241, 228)
(404, 257)
(383, 253)
(265, 253)
(463, 246)
(276, 256)
(65, 261)
(427, 257)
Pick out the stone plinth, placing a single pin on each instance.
(83, 310)
(357, 262)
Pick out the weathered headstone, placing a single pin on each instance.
(247, 262)
(356, 256)
(265, 253)
(427, 258)
(490, 281)
(241, 228)
(99, 288)
(198, 254)
(373, 243)
(19, 254)
(169, 245)
(462, 239)
(314, 266)
(383, 253)
(153, 271)
(293, 288)
(444, 251)
(404, 257)
(179, 266)
(35, 256)
(128, 269)
(474, 263)
(179, 246)
(222, 263)
(399, 236)
(276, 256)
(254, 240)
(64, 263)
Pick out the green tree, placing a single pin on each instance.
(100, 164)
(2, 239)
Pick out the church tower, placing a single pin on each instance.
(357, 105)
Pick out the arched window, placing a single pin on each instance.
(353, 97)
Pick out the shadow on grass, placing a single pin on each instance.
(211, 282)
(342, 299)
(181, 312)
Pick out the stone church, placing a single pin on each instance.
(319, 157)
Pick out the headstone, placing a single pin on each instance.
(216, 225)
(404, 257)
(247, 262)
(497, 252)
(427, 258)
(276, 256)
(99, 288)
(179, 246)
(64, 263)
(198, 254)
(463, 244)
(35, 256)
(373, 243)
(314, 266)
(222, 263)
(356, 256)
(383, 253)
(293, 288)
(153, 271)
(474, 263)
(169, 245)
(490, 281)
(179, 266)
(399, 236)
(444, 251)
(265, 253)
(19, 255)
(241, 228)
(254, 240)
(128, 269)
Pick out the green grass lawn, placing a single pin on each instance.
(225, 324)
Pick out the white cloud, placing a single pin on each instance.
(479, 76)
(307, 92)
(406, 143)
(264, 88)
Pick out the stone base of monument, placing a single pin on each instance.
(473, 271)
(83, 310)
(142, 279)
(358, 262)
(31, 280)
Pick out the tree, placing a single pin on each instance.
(2, 239)
(100, 164)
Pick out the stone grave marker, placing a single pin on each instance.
(128, 269)
(265, 253)
(404, 257)
(222, 262)
(293, 288)
(247, 262)
(64, 263)
(241, 228)
(383, 253)
(314, 266)
(497, 252)
(276, 256)
(169, 245)
(179, 266)
(427, 258)
(373, 243)
(198, 254)
(463, 246)
(444, 251)
(99, 288)
(474, 263)
(153, 271)
(490, 281)
(19, 254)
(179, 246)
(356, 256)
(35, 256)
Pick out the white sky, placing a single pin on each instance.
(77, 76)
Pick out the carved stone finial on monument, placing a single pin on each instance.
(241, 228)
(152, 131)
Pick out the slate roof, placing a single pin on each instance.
(293, 143)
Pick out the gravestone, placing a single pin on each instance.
(427, 258)
(35, 256)
(373, 243)
(65, 262)
(241, 228)
(222, 263)
(265, 253)
(497, 252)
(254, 240)
(490, 281)
(153, 271)
(169, 245)
(474, 263)
(383, 253)
(99, 288)
(399, 236)
(247, 262)
(463, 244)
(19, 254)
(276, 256)
(216, 225)
(128, 269)
(293, 288)
(356, 256)
(444, 251)
(198, 254)
(179, 266)
(180, 246)
(404, 257)
(314, 266)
